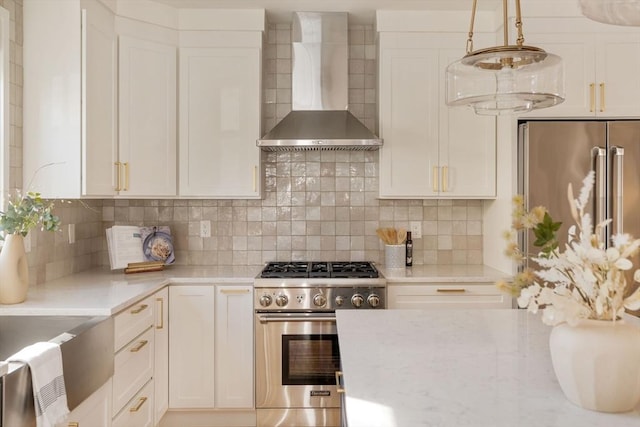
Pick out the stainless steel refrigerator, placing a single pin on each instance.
(552, 154)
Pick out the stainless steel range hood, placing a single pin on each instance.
(320, 86)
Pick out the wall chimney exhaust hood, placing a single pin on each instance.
(319, 119)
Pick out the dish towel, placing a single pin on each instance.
(49, 393)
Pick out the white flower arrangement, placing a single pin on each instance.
(587, 280)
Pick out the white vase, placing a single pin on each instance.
(14, 270)
(597, 364)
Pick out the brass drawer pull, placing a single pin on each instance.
(139, 405)
(602, 104)
(452, 290)
(592, 97)
(139, 346)
(139, 309)
(73, 424)
(161, 301)
(445, 178)
(435, 179)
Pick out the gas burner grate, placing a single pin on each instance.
(320, 269)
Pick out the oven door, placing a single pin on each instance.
(297, 357)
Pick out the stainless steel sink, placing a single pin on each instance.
(87, 358)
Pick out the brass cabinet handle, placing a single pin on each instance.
(255, 179)
(435, 179)
(139, 405)
(139, 346)
(592, 97)
(445, 178)
(73, 424)
(126, 176)
(451, 290)
(602, 104)
(340, 387)
(140, 308)
(161, 301)
(118, 187)
(235, 291)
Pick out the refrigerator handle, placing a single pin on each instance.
(617, 173)
(599, 156)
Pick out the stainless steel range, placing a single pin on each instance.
(297, 354)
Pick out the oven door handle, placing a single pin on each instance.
(316, 317)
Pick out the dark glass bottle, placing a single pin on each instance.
(409, 250)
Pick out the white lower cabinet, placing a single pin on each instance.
(211, 347)
(234, 347)
(141, 363)
(138, 412)
(446, 295)
(94, 411)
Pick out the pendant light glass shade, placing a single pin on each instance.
(505, 79)
(616, 12)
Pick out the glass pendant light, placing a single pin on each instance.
(616, 12)
(505, 79)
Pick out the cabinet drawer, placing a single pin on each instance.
(131, 322)
(133, 367)
(449, 295)
(138, 412)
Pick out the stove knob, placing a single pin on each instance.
(319, 300)
(373, 300)
(281, 300)
(265, 300)
(357, 300)
(339, 300)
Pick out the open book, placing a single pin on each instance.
(131, 244)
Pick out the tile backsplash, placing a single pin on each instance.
(316, 205)
(319, 205)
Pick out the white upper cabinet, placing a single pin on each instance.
(147, 157)
(70, 86)
(220, 120)
(601, 66)
(430, 149)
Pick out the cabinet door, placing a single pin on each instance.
(191, 347)
(618, 74)
(577, 51)
(95, 410)
(409, 81)
(219, 122)
(161, 355)
(234, 347)
(69, 98)
(147, 118)
(467, 155)
(99, 137)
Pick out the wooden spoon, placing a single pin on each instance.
(402, 236)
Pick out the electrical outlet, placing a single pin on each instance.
(416, 229)
(27, 242)
(205, 228)
(72, 233)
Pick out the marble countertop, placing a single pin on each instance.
(103, 292)
(441, 274)
(480, 368)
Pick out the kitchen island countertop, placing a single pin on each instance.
(477, 368)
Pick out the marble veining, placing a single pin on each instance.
(480, 368)
(462, 273)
